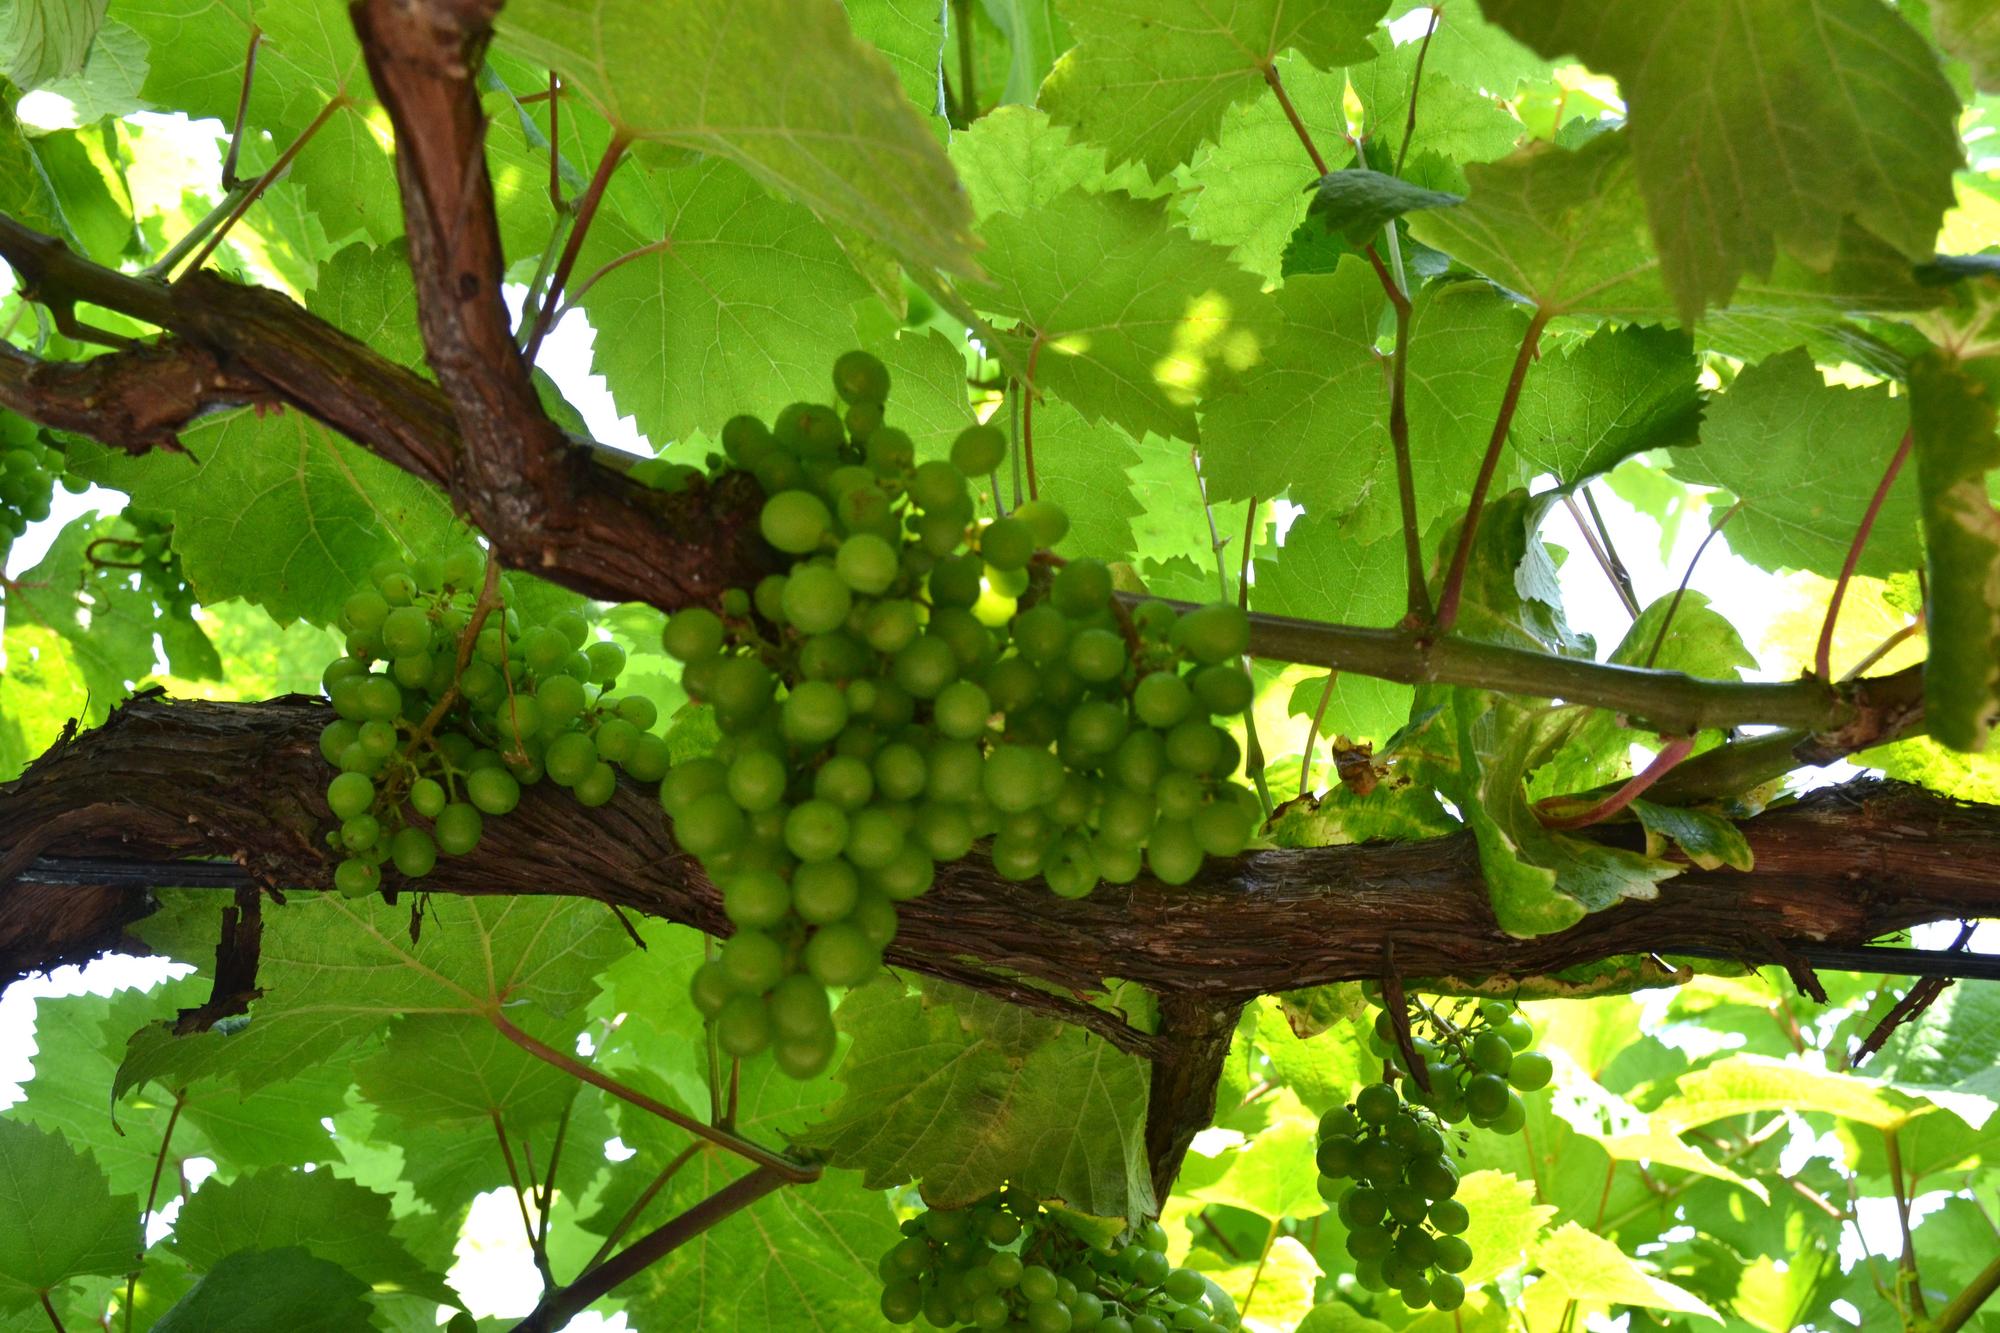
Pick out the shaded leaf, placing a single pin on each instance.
(255, 1291)
(43, 1246)
(1358, 203)
(1594, 403)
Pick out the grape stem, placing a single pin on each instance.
(1823, 653)
(489, 599)
(1673, 607)
(586, 212)
(265, 181)
(152, 1196)
(791, 1172)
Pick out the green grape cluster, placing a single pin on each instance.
(915, 681)
(1386, 1162)
(1478, 1058)
(1387, 1167)
(1008, 1263)
(533, 702)
(29, 470)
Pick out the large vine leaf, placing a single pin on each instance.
(1152, 86)
(1014, 160)
(441, 1069)
(1594, 403)
(1561, 228)
(1763, 127)
(1582, 1267)
(44, 40)
(1805, 457)
(709, 322)
(1970, 29)
(335, 970)
(62, 1219)
(965, 1096)
(330, 1218)
(823, 120)
(257, 1290)
(1952, 426)
(1125, 318)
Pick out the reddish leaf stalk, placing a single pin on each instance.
(586, 212)
(1416, 87)
(1634, 787)
(1277, 85)
(1673, 607)
(265, 181)
(1454, 580)
(1822, 655)
(1418, 591)
(229, 178)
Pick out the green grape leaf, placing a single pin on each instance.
(1731, 171)
(1272, 1174)
(1358, 202)
(1126, 319)
(254, 1291)
(331, 1219)
(1970, 30)
(1322, 573)
(1505, 1222)
(110, 633)
(1948, 1046)
(1952, 428)
(1583, 1266)
(1311, 421)
(335, 970)
(1339, 1317)
(936, 1092)
(1323, 1070)
(1271, 1291)
(112, 75)
(45, 40)
(1710, 841)
(307, 57)
(63, 1221)
(927, 398)
(1014, 161)
(804, 107)
(1595, 402)
(1455, 121)
(1471, 52)
(1085, 469)
(1154, 90)
(277, 508)
(708, 319)
(438, 1069)
(1743, 1084)
(910, 34)
(1698, 641)
(1560, 228)
(1805, 458)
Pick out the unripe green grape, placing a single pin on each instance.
(616, 739)
(955, 581)
(427, 797)
(568, 760)
(1518, 1031)
(743, 1027)
(841, 955)
(406, 630)
(908, 874)
(1045, 520)
(1224, 688)
(757, 899)
(1019, 777)
(560, 698)
(692, 634)
(1140, 761)
(493, 790)
(741, 687)
(458, 828)
(814, 712)
(795, 522)
(709, 824)
(710, 988)
(1096, 655)
(824, 891)
(753, 961)
(544, 649)
(1366, 1242)
(1214, 633)
(596, 787)
(925, 667)
(978, 450)
(816, 830)
(1337, 1156)
(378, 699)
(336, 736)
(960, 710)
(900, 771)
(1007, 543)
(360, 833)
(1042, 634)
(799, 1008)
(860, 378)
(355, 878)
(1531, 1071)
(866, 563)
(650, 759)
(1221, 829)
(891, 626)
(1376, 1103)
(1180, 795)
(639, 711)
(874, 836)
(1486, 1096)
(1172, 853)
(803, 1057)
(1453, 1254)
(1513, 1117)
(414, 852)
(1446, 1292)
(937, 485)
(816, 599)
(350, 794)
(756, 780)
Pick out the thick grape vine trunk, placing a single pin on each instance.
(165, 781)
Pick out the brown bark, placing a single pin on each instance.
(245, 782)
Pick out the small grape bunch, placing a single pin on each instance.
(1006, 1262)
(29, 470)
(1387, 1168)
(138, 544)
(1478, 1060)
(427, 751)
